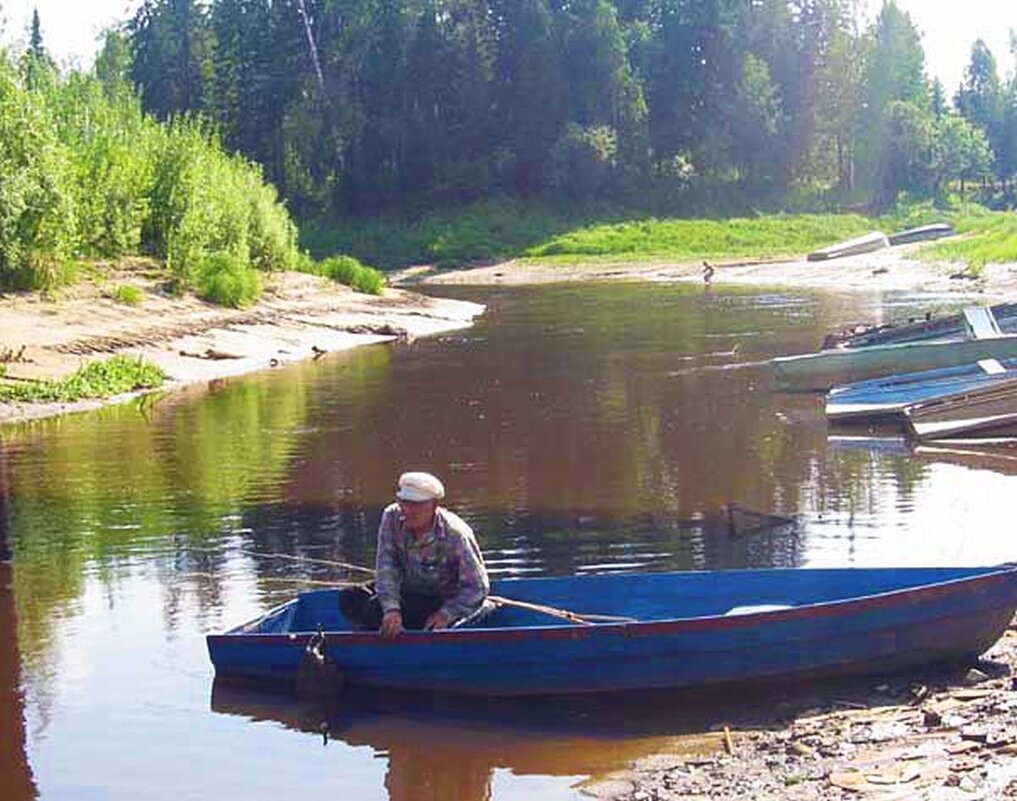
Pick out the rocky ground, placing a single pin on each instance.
(940, 737)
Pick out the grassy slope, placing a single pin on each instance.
(501, 231)
(983, 238)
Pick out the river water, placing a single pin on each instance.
(578, 428)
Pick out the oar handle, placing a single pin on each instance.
(583, 619)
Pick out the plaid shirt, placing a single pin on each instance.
(446, 563)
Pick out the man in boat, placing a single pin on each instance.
(429, 572)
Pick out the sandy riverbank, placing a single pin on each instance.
(299, 317)
(894, 269)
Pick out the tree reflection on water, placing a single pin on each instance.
(15, 774)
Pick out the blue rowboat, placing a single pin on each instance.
(886, 398)
(683, 630)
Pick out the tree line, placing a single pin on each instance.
(357, 106)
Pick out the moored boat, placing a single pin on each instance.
(880, 399)
(931, 327)
(867, 243)
(982, 339)
(987, 411)
(827, 368)
(679, 630)
(922, 233)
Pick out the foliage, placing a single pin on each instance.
(225, 278)
(373, 115)
(128, 294)
(100, 379)
(404, 105)
(582, 160)
(38, 229)
(349, 271)
(84, 172)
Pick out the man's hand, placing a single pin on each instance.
(438, 620)
(392, 624)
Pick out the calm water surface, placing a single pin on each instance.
(577, 428)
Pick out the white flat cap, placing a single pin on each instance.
(419, 487)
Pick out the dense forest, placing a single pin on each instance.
(447, 131)
(671, 106)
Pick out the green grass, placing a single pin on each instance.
(128, 294)
(484, 232)
(988, 237)
(95, 380)
(683, 240)
(498, 231)
(349, 271)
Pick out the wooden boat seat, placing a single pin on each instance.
(980, 323)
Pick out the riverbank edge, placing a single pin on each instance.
(300, 317)
(895, 269)
(304, 317)
(938, 735)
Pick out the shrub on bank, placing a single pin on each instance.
(349, 271)
(37, 210)
(110, 144)
(83, 172)
(224, 278)
(206, 201)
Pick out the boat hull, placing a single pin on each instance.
(824, 369)
(887, 398)
(951, 326)
(946, 614)
(989, 411)
(923, 233)
(876, 240)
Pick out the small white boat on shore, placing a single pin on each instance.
(876, 240)
(923, 233)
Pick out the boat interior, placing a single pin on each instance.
(642, 597)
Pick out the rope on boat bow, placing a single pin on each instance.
(318, 675)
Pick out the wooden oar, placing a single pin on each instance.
(573, 617)
(553, 611)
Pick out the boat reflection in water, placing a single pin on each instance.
(448, 748)
(996, 455)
